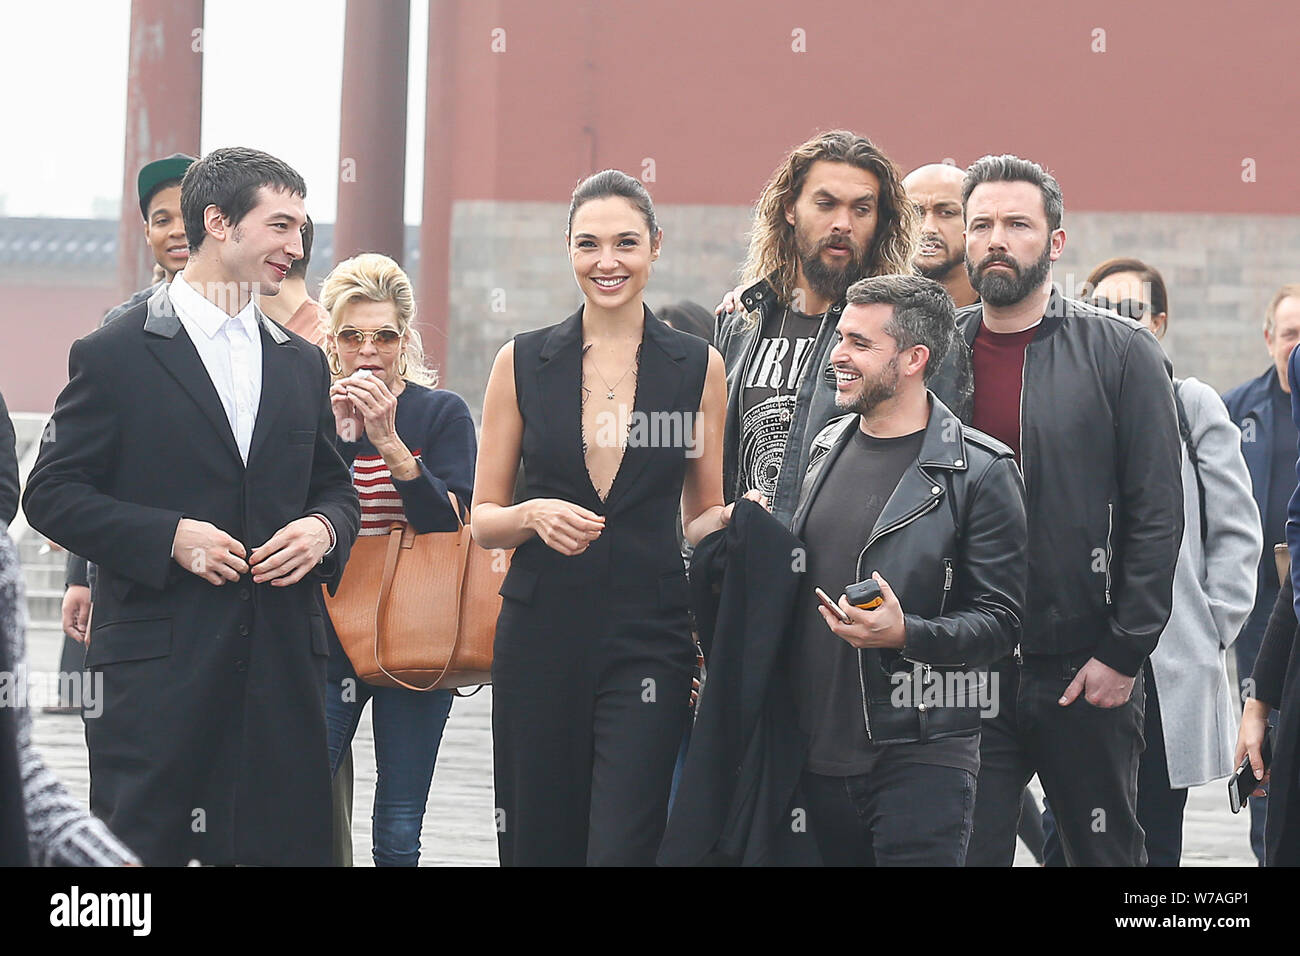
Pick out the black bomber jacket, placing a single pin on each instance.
(1101, 458)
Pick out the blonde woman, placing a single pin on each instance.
(408, 445)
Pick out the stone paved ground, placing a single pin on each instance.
(458, 824)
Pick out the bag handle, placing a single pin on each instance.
(402, 537)
(459, 691)
(455, 506)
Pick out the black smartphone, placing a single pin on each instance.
(1242, 783)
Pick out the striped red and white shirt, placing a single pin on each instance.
(381, 504)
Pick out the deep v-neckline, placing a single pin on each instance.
(582, 427)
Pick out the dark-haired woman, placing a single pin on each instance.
(617, 419)
(688, 316)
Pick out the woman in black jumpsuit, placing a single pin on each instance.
(617, 419)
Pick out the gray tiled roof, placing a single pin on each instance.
(92, 244)
(85, 243)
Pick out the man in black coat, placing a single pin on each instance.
(901, 492)
(191, 457)
(1085, 400)
(158, 185)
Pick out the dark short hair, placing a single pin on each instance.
(229, 179)
(147, 198)
(298, 268)
(924, 313)
(1150, 276)
(614, 182)
(688, 316)
(1012, 169)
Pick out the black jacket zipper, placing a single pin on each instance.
(862, 681)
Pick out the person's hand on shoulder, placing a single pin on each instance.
(730, 301)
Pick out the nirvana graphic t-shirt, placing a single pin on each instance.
(783, 354)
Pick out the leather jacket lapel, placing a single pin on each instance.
(943, 447)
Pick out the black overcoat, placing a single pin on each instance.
(210, 741)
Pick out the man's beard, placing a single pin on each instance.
(938, 271)
(1000, 289)
(874, 391)
(830, 282)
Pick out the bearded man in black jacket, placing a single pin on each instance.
(1085, 400)
(900, 491)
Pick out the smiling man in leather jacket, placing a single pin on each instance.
(1085, 399)
(934, 511)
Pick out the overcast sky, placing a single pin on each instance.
(63, 70)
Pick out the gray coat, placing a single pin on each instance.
(1214, 590)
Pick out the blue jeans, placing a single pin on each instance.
(408, 729)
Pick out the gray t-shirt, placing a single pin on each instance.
(828, 688)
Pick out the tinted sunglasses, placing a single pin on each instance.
(1134, 309)
(353, 339)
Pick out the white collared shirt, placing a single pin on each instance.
(231, 350)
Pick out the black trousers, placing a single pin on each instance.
(590, 700)
(1159, 807)
(72, 660)
(1086, 758)
(898, 815)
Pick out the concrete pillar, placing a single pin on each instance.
(372, 129)
(164, 100)
(435, 223)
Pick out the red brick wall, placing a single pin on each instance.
(714, 94)
(43, 321)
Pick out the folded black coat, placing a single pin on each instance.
(738, 800)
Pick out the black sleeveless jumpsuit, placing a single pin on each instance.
(593, 658)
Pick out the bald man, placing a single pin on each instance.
(936, 190)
